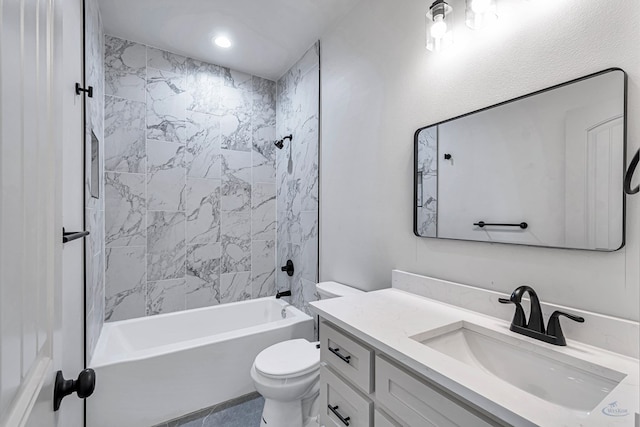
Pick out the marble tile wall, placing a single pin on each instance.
(427, 197)
(297, 177)
(190, 183)
(94, 207)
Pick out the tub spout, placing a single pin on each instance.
(283, 294)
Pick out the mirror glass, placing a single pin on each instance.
(94, 173)
(545, 169)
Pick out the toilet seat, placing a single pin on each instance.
(288, 359)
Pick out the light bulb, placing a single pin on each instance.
(222, 41)
(439, 27)
(480, 6)
(480, 13)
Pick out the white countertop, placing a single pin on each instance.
(387, 319)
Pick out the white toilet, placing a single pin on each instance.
(287, 374)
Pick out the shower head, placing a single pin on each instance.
(280, 143)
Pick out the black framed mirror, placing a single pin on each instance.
(544, 169)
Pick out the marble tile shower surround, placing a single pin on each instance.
(190, 183)
(94, 208)
(297, 177)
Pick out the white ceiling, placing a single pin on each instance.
(268, 36)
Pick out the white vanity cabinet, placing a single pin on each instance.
(382, 420)
(342, 405)
(347, 356)
(416, 403)
(361, 387)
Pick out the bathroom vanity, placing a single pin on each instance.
(347, 398)
(439, 358)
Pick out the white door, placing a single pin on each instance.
(604, 198)
(594, 176)
(35, 335)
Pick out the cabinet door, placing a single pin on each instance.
(347, 356)
(340, 404)
(415, 403)
(381, 420)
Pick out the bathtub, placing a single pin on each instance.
(153, 369)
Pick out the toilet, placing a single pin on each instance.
(287, 374)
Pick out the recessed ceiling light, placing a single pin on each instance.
(222, 41)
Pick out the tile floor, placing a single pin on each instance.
(242, 412)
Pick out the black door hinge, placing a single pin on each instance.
(80, 89)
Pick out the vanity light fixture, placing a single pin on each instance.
(222, 41)
(480, 13)
(439, 34)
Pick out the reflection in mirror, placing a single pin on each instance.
(427, 197)
(544, 170)
(94, 184)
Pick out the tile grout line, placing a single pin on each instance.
(146, 189)
(185, 193)
(251, 191)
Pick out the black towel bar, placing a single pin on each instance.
(68, 236)
(482, 224)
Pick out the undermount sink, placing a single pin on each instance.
(547, 374)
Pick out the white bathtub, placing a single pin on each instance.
(154, 369)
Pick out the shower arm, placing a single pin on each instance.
(280, 143)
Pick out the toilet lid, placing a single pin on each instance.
(288, 358)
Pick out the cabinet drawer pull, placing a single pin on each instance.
(334, 409)
(336, 351)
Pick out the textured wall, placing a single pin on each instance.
(94, 208)
(379, 85)
(190, 183)
(297, 170)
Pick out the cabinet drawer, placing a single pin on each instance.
(415, 403)
(381, 420)
(354, 408)
(348, 357)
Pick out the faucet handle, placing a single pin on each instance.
(573, 317)
(554, 329)
(518, 316)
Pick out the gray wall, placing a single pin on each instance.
(379, 85)
(190, 183)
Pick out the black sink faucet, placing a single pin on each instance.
(534, 328)
(536, 322)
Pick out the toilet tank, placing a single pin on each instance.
(328, 290)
